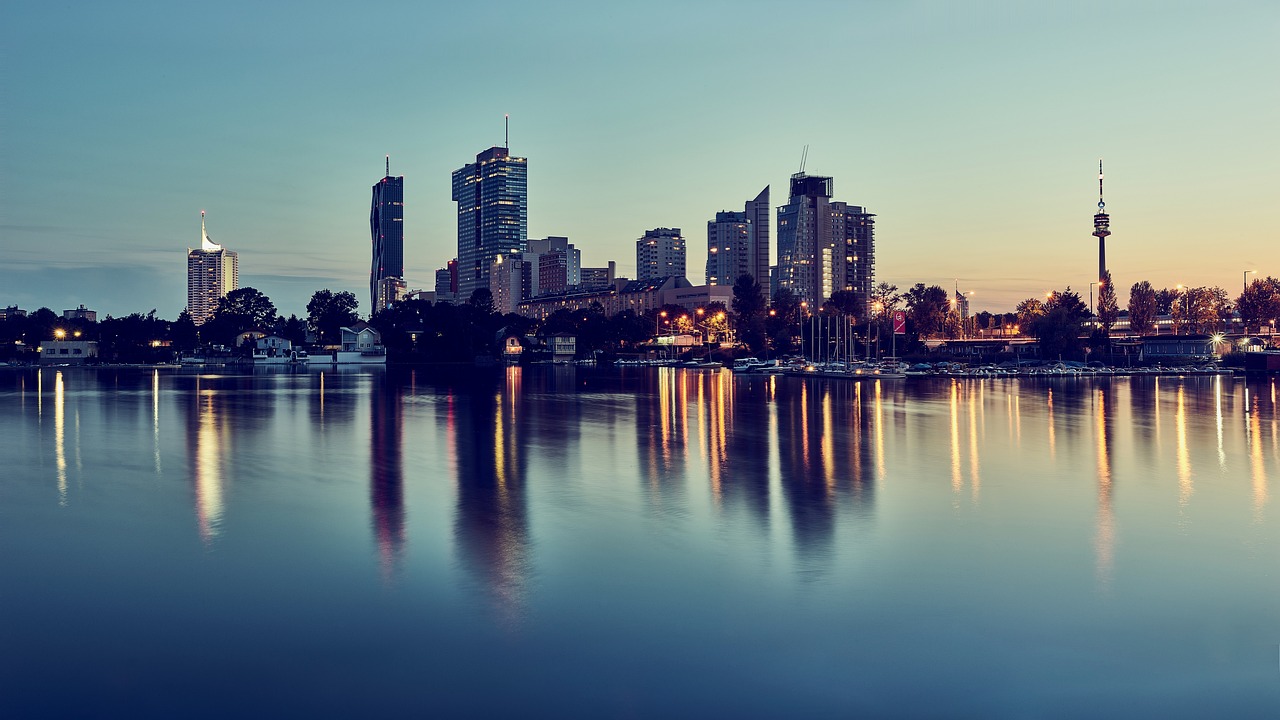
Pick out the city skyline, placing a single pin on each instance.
(972, 135)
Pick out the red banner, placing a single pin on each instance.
(899, 322)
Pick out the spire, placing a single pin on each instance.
(1102, 206)
(388, 166)
(205, 242)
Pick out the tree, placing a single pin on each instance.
(1058, 329)
(1027, 312)
(843, 302)
(748, 298)
(1108, 306)
(328, 312)
(183, 333)
(926, 307)
(1193, 310)
(1142, 308)
(1259, 304)
(1165, 298)
(249, 306)
(482, 300)
(885, 298)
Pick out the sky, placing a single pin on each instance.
(972, 130)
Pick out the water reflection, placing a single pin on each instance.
(491, 520)
(1105, 533)
(205, 442)
(59, 435)
(386, 470)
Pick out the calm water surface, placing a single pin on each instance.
(636, 544)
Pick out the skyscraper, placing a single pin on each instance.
(386, 230)
(824, 247)
(493, 215)
(738, 243)
(660, 253)
(212, 272)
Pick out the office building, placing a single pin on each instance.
(212, 272)
(447, 283)
(660, 253)
(824, 246)
(492, 197)
(556, 263)
(738, 244)
(386, 229)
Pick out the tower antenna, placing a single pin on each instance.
(388, 166)
(1101, 204)
(506, 131)
(804, 156)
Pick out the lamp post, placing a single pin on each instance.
(1247, 273)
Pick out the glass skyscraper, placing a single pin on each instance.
(386, 228)
(493, 215)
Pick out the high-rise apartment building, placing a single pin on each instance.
(823, 246)
(386, 229)
(660, 253)
(738, 243)
(212, 272)
(510, 277)
(492, 197)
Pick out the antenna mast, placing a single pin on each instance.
(1101, 204)
(388, 166)
(506, 131)
(804, 156)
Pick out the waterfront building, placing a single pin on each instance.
(738, 243)
(492, 197)
(824, 246)
(660, 253)
(212, 272)
(70, 352)
(386, 230)
(638, 296)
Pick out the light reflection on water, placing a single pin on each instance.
(993, 538)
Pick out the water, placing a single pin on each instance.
(634, 544)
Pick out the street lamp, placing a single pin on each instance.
(60, 333)
(1247, 273)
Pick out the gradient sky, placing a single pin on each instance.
(972, 130)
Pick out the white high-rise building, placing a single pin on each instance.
(212, 272)
(660, 253)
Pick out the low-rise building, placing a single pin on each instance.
(71, 352)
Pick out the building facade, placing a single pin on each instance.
(447, 283)
(660, 253)
(386, 230)
(212, 272)
(557, 265)
(727, 239)
(824, 246)
(492, 197)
